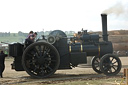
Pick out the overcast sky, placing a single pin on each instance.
(66, 15)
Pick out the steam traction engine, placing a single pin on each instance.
(42, 58)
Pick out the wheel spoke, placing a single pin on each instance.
(110, 70)
(112, 59)
(52, 56)
(42, 72)
(31, 61)
(53, 60)
(40, 51)
(97, 66)
(47, 59)
(114, 68)
(46, 52)
(105, 69)
(36, 51)
(97, 60)
(50, 68)
(30, 55)
(115, 65)
(114, 62)
(35, 69)
(43, 49)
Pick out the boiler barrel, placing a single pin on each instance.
(89, 49)
(92, 50)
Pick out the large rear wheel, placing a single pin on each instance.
(40, 60)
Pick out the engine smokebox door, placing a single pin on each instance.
(78, 58)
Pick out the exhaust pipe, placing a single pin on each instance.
(104, 27)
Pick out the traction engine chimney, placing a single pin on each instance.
(104, 27)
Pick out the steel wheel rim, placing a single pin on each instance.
(110, 65)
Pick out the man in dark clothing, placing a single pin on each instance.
(29, 41)
(2, 65)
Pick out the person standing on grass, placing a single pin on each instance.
(2, 65)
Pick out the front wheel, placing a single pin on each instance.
(110, 64)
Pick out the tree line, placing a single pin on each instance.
(20, 33)
(4, 34)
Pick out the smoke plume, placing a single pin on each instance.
(120, 12)
(117, 9)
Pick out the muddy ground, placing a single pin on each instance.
(11, 77)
